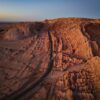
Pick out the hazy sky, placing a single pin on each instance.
(30, 10)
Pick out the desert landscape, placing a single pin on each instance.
(56, 59)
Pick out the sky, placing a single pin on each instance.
(36, 10)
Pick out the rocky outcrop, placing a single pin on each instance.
(50, 60)
(93, 67)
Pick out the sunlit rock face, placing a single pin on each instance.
(51, 60)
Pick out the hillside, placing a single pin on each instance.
(56, 59)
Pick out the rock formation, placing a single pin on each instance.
(55, 59)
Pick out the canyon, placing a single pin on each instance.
(57, 59)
